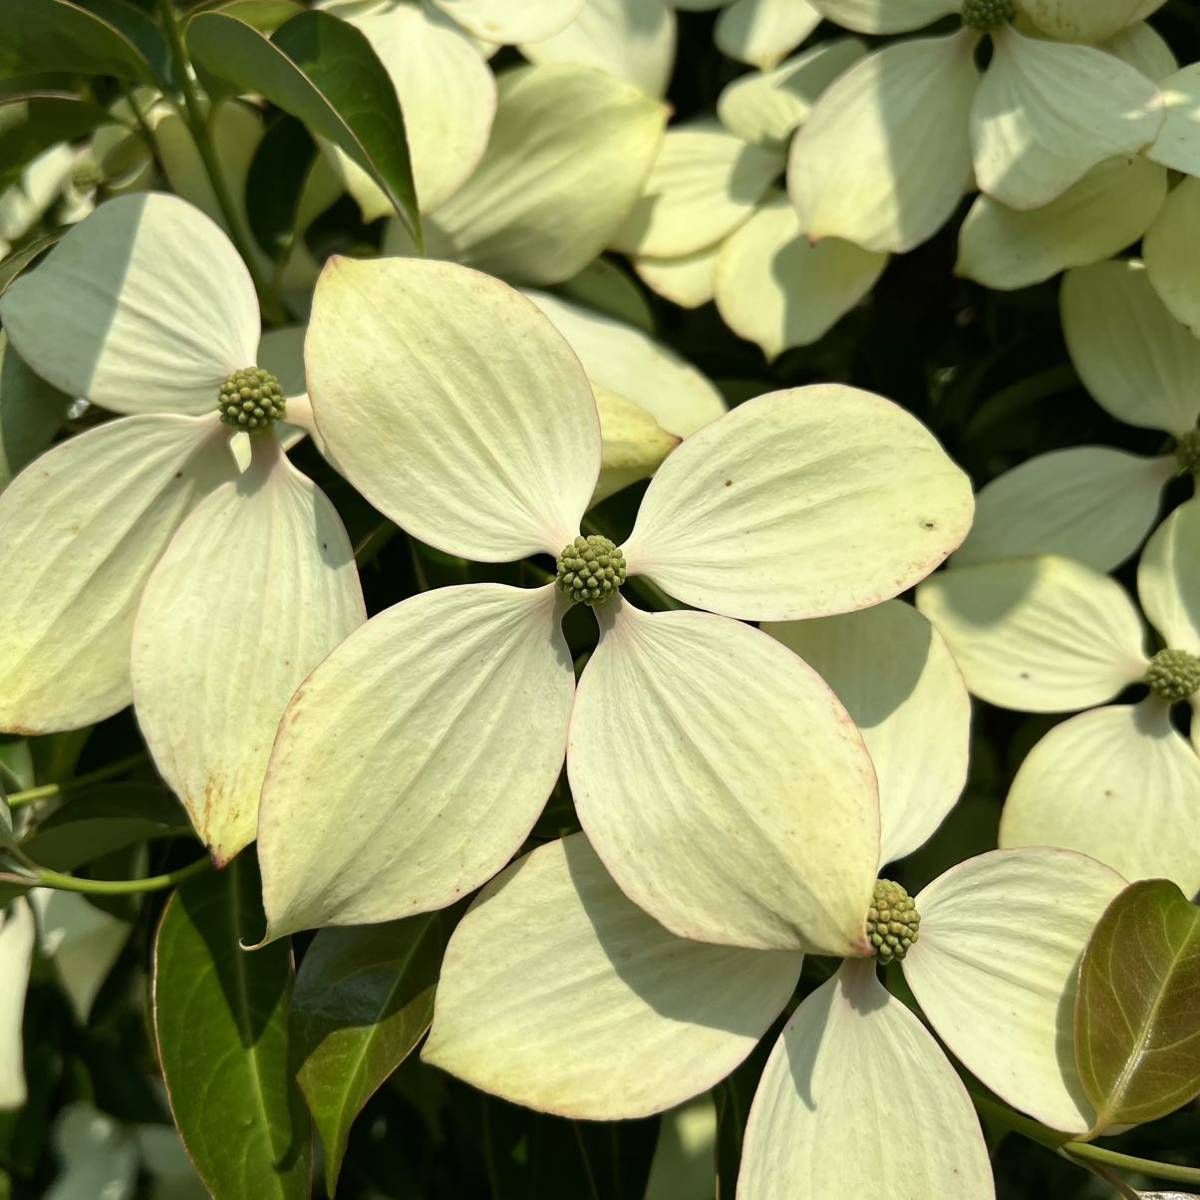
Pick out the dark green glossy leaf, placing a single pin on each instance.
(55, 35)
(220, 1015)
(19, 260)
(363, 999)
(138, 28)
(31, 122)
(1137, 1036)
(105, 819)
(265, 15)
(324, 72)
(16, 762)
(31, 411)
(275, 184)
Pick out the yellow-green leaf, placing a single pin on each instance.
(1137, 1040)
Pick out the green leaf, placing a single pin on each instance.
(275, 184)
(363, 999)
(323, 71)
(55, 35)
(1137, 1040)
(31, 411)
(105, 819)
(31, 122)
(18, 260)
(129, 20)
(264, 15)
(220, 1016)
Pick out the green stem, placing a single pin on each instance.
(1084, 1152)
(197, 121)
(120, 887)
(50, 791)
(145, 130)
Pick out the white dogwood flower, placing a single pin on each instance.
(715, 773)
(891, 148)
(1048, 634)
(600, 1013)
(140, 564)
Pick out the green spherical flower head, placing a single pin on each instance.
(986, 15)
(1187, 452)
(590, 570)
(893, 923)
(251, 400)
(1174, 675)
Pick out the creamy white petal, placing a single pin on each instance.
(902, 110)
(507, 22)
(145, 306)
(413, 762)
(1047, 112)
(31, 412)
(1145, 49)
(81, 528)
(631, 39)
(1107, 210)
(995, 971)
(1169, 578)
(801, 503)
(1090, 503)
(762, 32)
(448, 97)
(257, 587)
(1133, 356)
(886, 16)
(17, 937)
(723, 784)
(689, 280)
(1085, 20)
(81, 941)
(766, 107)
(627, 361)
(569, 155)
(598, 1013)
(893, 672)
(705, 182)
(1172, 253)
(851, 1064)
(1178, 142)
(1044, 634)
(775, 288)
(634, 444)
(453, 405)
(1118, 784)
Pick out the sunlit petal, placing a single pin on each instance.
(1043, 634)
(413, 762)
(995, 971)
(801, 503)
(508, 23)
(1169, 578)
(17, 936)
(599, 1012)
(762, 32)
(689, 280)
(824, 1118)
(722, 783)
(1086, 20)
(452, 404)
(1172, 253)
(1178, 143)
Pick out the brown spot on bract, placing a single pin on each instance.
(729, 483)
(928, 524)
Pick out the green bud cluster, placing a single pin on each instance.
(251, 400)
(590, 570)
(1174, 675)
(86, 174)
(986, 15)
(893, 923)
(1187, 452)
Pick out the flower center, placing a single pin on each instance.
(986, 15)
(1174, 675)
(251, 399)
(893, 923)
(590, 570)
(1188, 452)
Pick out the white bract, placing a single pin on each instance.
(601, 1013)
(1094, 503)
(18, 935)
(140, 564)
(412, 764)
(711, 224)
(1049, 634)
(891, 148)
